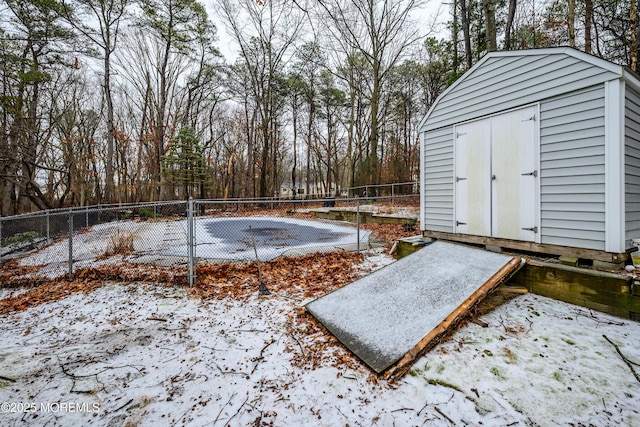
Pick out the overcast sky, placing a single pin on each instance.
(434, 10)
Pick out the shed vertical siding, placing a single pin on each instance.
(572, 171)
(438, 180)
(632, 164)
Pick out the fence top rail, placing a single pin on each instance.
(91, 208)
(303, 200)
(245, 201)
(382, 185)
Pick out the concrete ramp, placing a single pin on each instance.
(395, 314)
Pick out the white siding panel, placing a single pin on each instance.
(438, 180)
(560, 208)
(578, 216)
(582, 160)
(507, 82)
(591, 147)
(632, 163)
(572, 147)
(577, 180)
(596, 172)
(564, 129)
(590, 138)
(577, 189)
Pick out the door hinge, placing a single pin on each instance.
(533, 174)
(534, 229)
(529, 119)
(458, 135)
(460, 223)
(460, 179)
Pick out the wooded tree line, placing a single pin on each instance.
(112, 101)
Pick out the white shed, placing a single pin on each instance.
(535, 150)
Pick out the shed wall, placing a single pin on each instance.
(572, 147)
(507, 82)
(438, 180)
(572, 172)
(632, 163)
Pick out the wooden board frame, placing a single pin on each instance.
(452, 320)
(541, 248)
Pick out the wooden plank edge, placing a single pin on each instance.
(540, 248)
(509, 289)
(451, 321)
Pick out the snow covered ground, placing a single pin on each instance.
(151, 355)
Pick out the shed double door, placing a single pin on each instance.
(496, 176)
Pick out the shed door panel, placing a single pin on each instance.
(496, 177)
(472, 178)
(515, 182)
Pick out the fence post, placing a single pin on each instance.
(190, 241)
(86, 219)
(392, 193)
(358, 223)
(48, 227)
(70, 220)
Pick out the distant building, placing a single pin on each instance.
(316, 190)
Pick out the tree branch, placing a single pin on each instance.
(624, 358)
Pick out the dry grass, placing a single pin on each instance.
(120, 243)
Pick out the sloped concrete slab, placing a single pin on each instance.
(385, 315)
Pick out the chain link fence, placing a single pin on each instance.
(184, 233)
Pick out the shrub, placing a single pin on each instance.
(409, 225)
(27, 236)
(121, 243)
(146, 213)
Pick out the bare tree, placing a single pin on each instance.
(381, 31)
(588, 19)
(509, 25)
(633, 35)
(174, 24)
(489, 10)
(265, 33)
(571, 22)
(32, 56)
(465, 16)
(99, 22)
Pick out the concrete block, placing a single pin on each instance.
(568, 260)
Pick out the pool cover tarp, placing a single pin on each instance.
(384, 315)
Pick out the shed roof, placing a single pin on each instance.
(608, 69)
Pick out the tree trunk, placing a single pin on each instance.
(633, 41)
(312, 112)
(373, 173)
(571, 23)
(466, 32)
(160, 122)
(295, 146)
(108, 165)
(588, 19)
(509, 25)
(489, 10)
